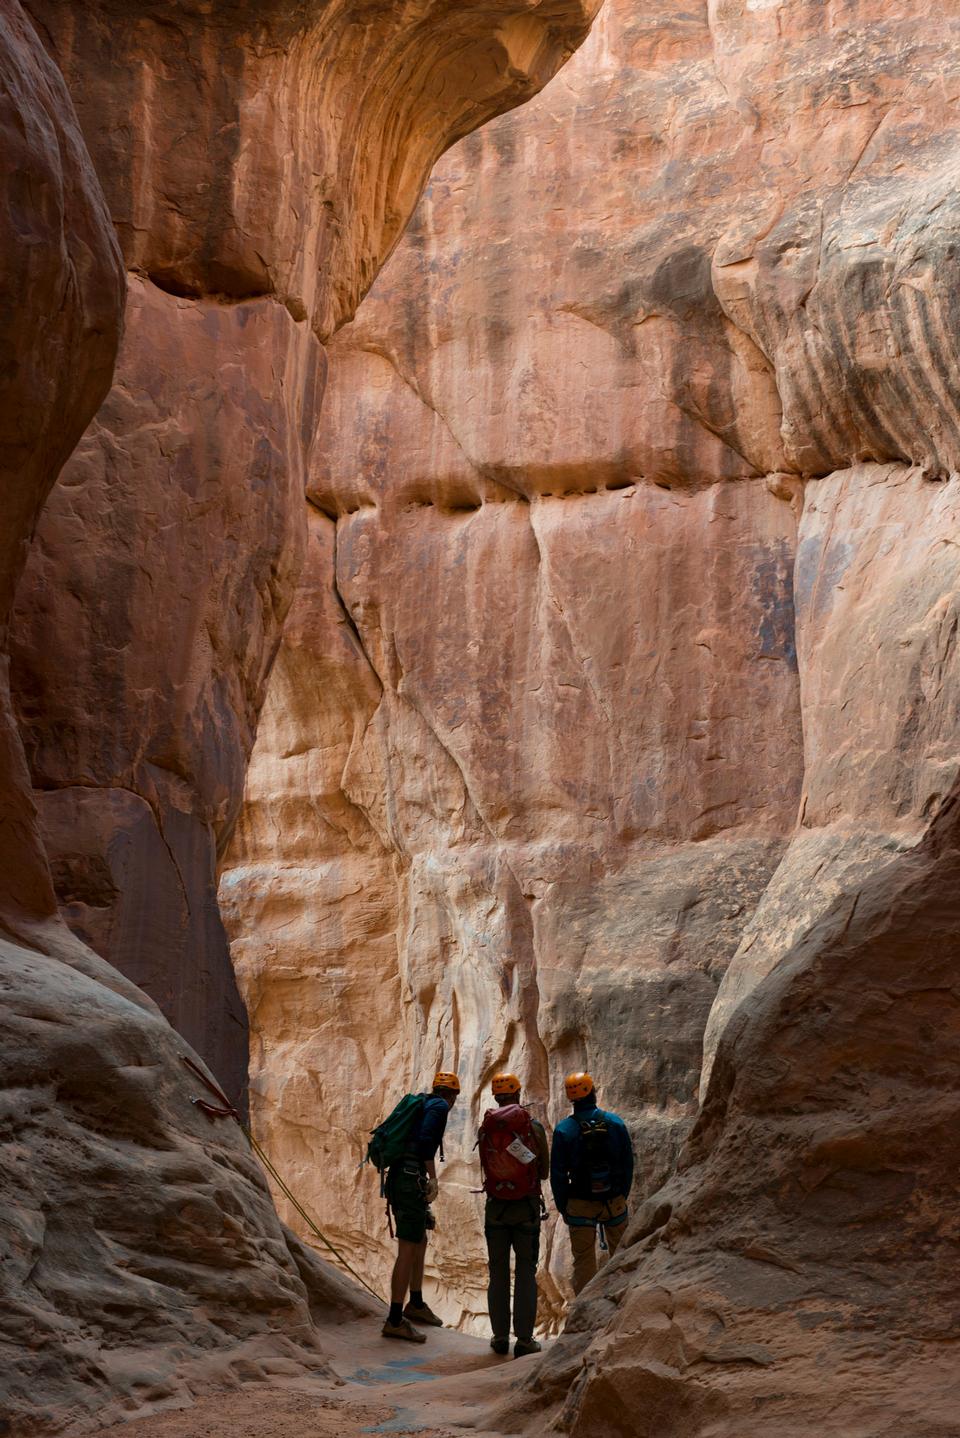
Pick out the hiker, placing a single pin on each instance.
(515, 1158)
(591, 1170)
(414, 1134)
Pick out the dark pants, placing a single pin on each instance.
(512, 1226)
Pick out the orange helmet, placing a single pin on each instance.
(578, 1085)
(505, 1083)
(442, 1079)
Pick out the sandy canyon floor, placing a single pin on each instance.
(453, 1382)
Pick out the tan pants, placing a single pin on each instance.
(583, 1237)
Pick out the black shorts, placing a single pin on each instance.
(407, 1196)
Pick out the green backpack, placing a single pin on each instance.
(389, 1140)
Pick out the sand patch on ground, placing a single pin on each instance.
(377, 1387)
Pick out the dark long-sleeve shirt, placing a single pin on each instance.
(427, 1136)
(568, 1177)
(543, 1148)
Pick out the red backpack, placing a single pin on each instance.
(506, 1137)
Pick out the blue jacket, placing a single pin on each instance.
(428, 1134)
(566, 1180)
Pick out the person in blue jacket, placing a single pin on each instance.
(591, 1170)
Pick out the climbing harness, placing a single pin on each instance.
(411, 1168)
(225, 1109)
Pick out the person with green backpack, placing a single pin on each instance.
(404, 1150)
(591, 1173)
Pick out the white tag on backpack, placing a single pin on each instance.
(520, 1151)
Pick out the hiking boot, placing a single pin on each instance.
(500, 1345)
(422, 1313)
(403, 1329)
(523, 1346)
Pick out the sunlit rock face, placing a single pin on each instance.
(532, 749)
(624, 670)
(259, 162)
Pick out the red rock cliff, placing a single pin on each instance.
(533, 746)
(259, 163)
(62, 301)
(142, 1257)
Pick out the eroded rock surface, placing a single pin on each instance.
(142, 1258)
(145, 629)
(685, 352)
(61, 288)
(132, 1235)
(800, 1267)
(534, 746)
(259, 162)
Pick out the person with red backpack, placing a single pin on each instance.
(515, 1158)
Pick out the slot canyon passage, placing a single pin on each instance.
(572, 686)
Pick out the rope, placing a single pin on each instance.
(225, 1109)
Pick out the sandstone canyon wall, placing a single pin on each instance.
(533, 747)
(258, 162)
(62, 300)
(622, 668)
